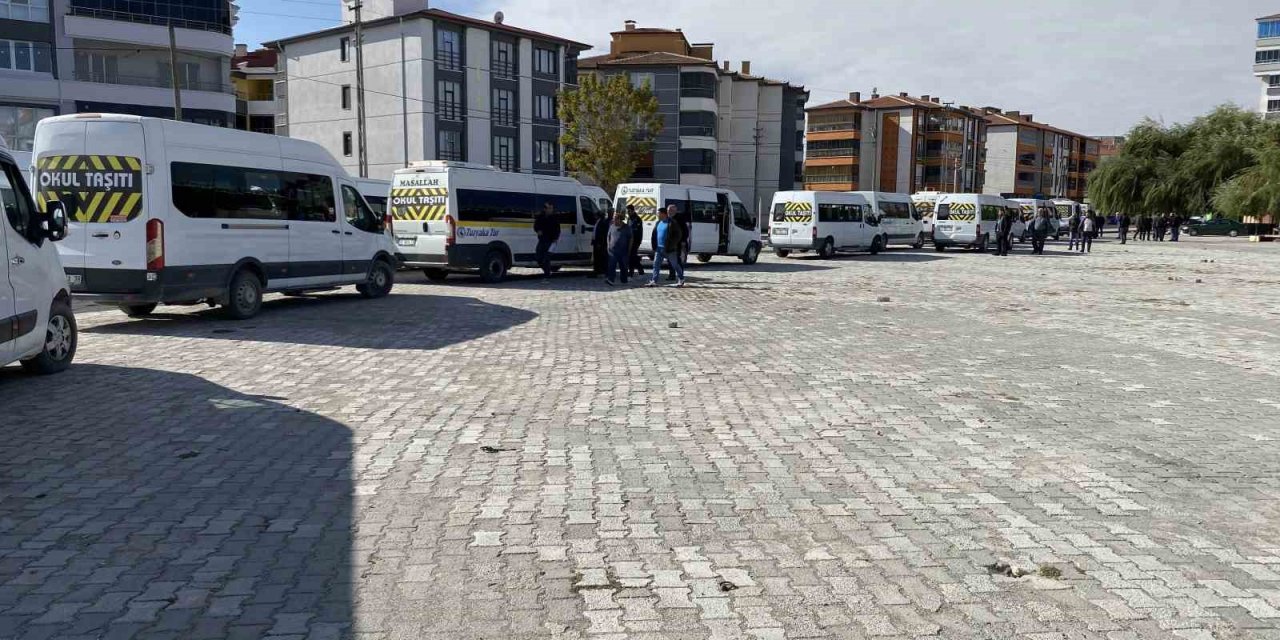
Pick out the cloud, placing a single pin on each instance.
(1092, 66)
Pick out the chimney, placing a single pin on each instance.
(724, 65)
(1013, 115)
(855, 97)
(746, 67)
(241, 50)
(925, 97)
(1026, 118)
(629, 25)
(874, 95)
(902, 94)
(936, 100)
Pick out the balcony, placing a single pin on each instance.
(832, 126)
(504, 118)
(448, 60)
(451, 111)
(84, 75)
(124, 16)
(812, 179)
(834, 152)
(133, 29)
(503, 70)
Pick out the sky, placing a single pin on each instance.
(1092, 66)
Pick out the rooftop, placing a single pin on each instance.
(434, 14)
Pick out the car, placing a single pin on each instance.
(1216, 227)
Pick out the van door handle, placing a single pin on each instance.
(17, 261)
(348, 233)
(335, 232)
(99, 235)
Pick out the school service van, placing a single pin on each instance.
(165, 212)
(719, 224)
(1032, 207)
(899, 221)
(925, 201)
(824, 221)
(37, 327)
(463, 217)
(968, 220)
(1066, 208)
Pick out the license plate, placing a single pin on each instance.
(75, 280)
(781, 232)
(406, 242)
(944, 227)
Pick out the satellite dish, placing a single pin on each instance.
(498, 17)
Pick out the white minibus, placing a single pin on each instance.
(823, 221)
(719, 224)
(166, 212)
(925, 201)
(375, 193)
(969, 220)
(899, 221)
(463, 217)
(1032, 207)
(37, 327)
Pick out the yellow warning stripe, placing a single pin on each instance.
(797, 218)
(962, 217)
(801, 207)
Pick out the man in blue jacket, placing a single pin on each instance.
(667, 238)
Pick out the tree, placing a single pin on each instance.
(609, 126)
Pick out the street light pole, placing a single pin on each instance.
(362, 148)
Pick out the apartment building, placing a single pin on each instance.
(438, 86)
(72, 56)
(1026, 158)
(1109, 146)
(254, 76)
(896, 143)
(1266, 64)
(722, 128)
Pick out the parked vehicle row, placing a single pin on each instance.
(829, 222)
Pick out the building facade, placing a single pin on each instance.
(254, 75)
(899, 144)
(1026, 158)
(73, 56)
(438, 86)
(721, 128)
(1109, 146)
(1266, 64)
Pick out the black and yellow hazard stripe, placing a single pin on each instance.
(963, 212)
(646, 207)
(87, 202)
(420, 212)
(798, 207)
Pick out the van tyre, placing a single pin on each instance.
(939, 247)
(751, 254)
(704, 257)
(494, 267)
(381, 278)
(60, 339)
(244, 296)
(919, 243)
(828, 249)
(877, 245)
(982, 244)
(782, 253)
(436, 275)
(138, 310)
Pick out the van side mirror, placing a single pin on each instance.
(55, 223)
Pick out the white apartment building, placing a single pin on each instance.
(1266, 64)
(72, 56)
(438, 86)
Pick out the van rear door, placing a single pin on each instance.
(419, 208)
(96, 168)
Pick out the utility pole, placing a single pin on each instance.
(362, 149)
(755, 169)
(173, 73)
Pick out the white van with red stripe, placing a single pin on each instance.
(166, 212)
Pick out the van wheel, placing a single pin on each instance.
(876, 245)
(982, 245)
(919, 243)
(939, 247)
(704, 257)
(137, 310)
(828, 249)
(381, 279)
(244, 296)
(60, 339)
(751, 254)
(782, 253)
(494, 267)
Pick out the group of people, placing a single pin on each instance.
(1082, 229)
(1151, 228)
(616, 240)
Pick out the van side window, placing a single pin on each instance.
(15, 201)
(216, 191)
(990, 212)
(509, 206)
(308, 197)
(589, 213)
(358, 214)
(742, 218)
(708, 212)
(827, 213)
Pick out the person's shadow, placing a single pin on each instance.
(137, 501)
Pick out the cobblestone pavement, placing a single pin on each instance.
(799, 458)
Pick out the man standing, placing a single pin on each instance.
(547, 228)
(619, 240)
(1004, 233)
(599, 242)
(1124, 228)
(667, 238)
(1161, 221)
(1039, 232)
(1175, 224)
(637, 236)
(1073, 227)
(1086, 234)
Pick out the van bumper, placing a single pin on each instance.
(138, 286)
(779, 242)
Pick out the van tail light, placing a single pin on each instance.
(815, 231)
(451, 231)
(155, 245)
(978, 233)
(389, 223)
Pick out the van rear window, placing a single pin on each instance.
(779, 212)
(944, 212)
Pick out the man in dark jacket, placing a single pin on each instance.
(666, 240)
(1004, 233)
(600, 242)
(637, 237)
(1073, 226)
(1124, 228)
(1175, 227)
(547, 228)
(619, 240)
(1040, 228)
(1161, 225)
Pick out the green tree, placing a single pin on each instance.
(609, 126)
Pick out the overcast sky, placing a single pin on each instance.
(1092, 66)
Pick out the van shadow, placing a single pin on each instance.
(900, 256)
(424, 322)
(171, 505)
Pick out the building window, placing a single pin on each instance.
(448, 49)
(833, 149)
(504, 153)
(504, 108)
(799, 172)
(18, 125)
(344, 49)
(698, 123)
(1273, 81)
(504, 59)
(1269, 29)
(1026, 177)
(30, 10)
(1268, 56)
(262, 124)
(544, 108)
(698, 85)
(449, 100)
(188, 76)
(19, 55)
(698, 161)
(346, 143)
(641, 80)
(545, 152)
(449, 145)
(545, 62)
(1273, 106)
(346, 97)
